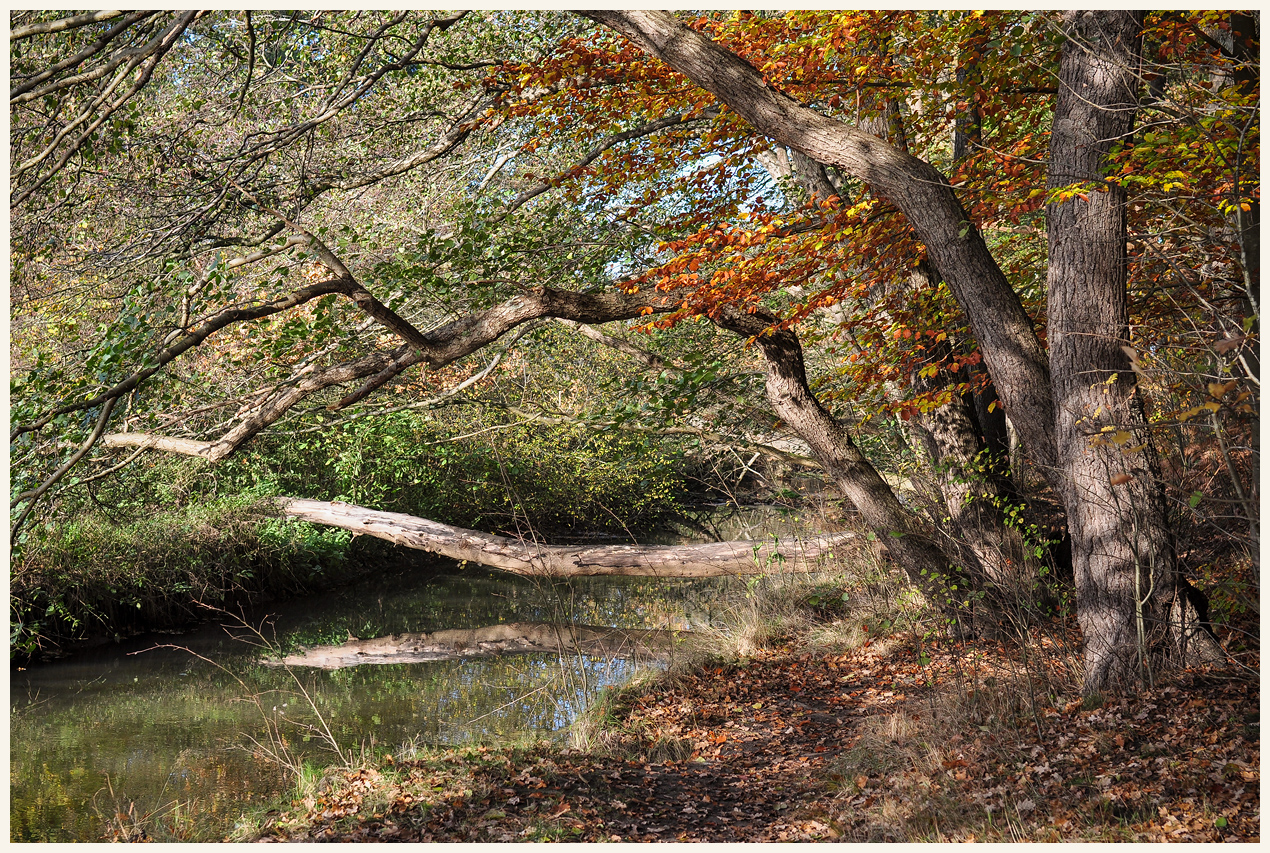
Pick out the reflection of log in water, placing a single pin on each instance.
(511, 638)
(531, 558)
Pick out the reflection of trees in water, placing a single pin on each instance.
(730, 521)
(161, 725)
(172, 737)
(405, 603)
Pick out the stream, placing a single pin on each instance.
(201, 733)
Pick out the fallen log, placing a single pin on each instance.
(509, 638)
(525, 557)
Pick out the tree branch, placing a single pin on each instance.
(35, 494)
(216, 322)
(441, 346)
(1005, 332)
(61, 24)
(592, 155)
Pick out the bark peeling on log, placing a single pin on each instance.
(531, 558)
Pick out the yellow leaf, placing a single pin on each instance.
(1211, 406)
(1121, 436)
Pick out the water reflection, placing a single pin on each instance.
(159, 728)
(172, 732)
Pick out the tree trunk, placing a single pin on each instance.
(508, 638)
(1127, 588)
(948, 437)
(531, 558)
(1005, 332)
(893, 524)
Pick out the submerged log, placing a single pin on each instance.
(510, 638)
(525, 557)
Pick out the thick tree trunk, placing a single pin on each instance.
(1005, 332)
(791, 398)
(508, 638)
(531, 558)
(1127, 588)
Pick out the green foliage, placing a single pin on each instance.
(507, 478)
(149, 546)
(91, 576)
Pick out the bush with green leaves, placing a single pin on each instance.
(151, 546)
(507, 477)
(93, 577)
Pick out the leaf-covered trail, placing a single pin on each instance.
(859, 746)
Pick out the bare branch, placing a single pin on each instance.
(610, 141)
(147, 60)
(60, 24)
(73, 61)
(651, 360)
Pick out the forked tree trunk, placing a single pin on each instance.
(525, 557)
(1128, 592)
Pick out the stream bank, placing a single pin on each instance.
(827, 736)
(190, 738)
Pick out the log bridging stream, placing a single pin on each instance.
(526, 557)
(508, 638)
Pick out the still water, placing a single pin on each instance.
(136, 729)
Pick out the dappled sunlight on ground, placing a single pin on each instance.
(908, 741)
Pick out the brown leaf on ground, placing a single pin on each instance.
(911, 742)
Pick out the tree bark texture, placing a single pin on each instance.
(792, 400)
(1005, 332)
(524, 557)
(508, 638)
(1127, 586)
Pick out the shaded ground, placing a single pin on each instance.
(908, 742)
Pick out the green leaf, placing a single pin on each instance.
(1195, 498)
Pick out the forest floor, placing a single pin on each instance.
(898, 740)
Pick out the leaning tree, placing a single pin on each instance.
(224, 217)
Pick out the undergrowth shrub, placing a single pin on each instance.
(92, 576)
(149, 546)
(507, 477)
